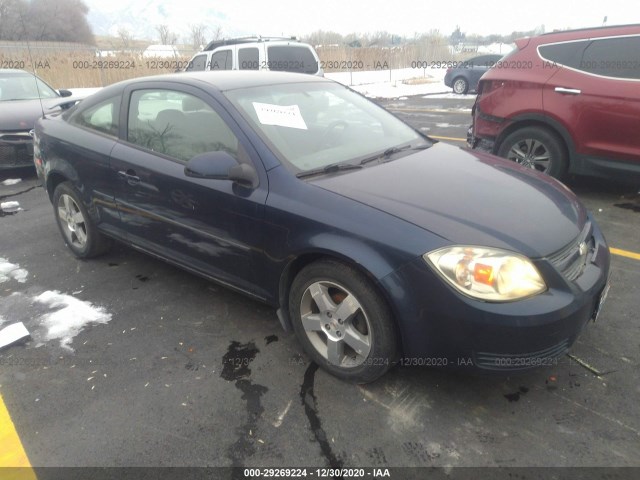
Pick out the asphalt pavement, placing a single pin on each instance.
(187, 373)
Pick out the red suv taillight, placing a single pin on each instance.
(487, 86)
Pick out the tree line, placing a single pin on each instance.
(45, 20)
(386, 39)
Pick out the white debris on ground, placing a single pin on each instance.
(10, 207)
(12, 334)
(70, 318)
(11, 181)
(11, 271)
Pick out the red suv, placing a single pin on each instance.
(565, 102)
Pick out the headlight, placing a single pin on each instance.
(487, 273)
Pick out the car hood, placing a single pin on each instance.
(21, 115)
(468, 198)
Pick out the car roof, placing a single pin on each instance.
(229, 79)
(10, 72)
(213, 80)
(585, 33)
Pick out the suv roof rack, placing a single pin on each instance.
(236, 41)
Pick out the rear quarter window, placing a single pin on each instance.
(291, 58)
(102, 117)
(568, 54)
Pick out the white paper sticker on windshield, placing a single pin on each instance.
(282, 116)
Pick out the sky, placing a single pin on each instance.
(404, 17)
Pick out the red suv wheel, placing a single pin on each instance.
(537, 148)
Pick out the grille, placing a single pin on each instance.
(15, 155)
(570, 261)
(520, 361)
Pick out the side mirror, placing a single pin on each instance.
(65, 93)
(220, 165)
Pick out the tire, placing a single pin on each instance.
(460, 85)
(358, 347)
(76, 226)
(536, 148)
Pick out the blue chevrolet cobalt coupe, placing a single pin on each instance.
(376, 244)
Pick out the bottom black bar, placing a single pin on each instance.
(395, 473)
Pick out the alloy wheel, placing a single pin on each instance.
(72, 221)
(336, 324)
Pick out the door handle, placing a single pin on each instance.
(571, 91)
(130, 176)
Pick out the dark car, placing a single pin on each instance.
(375, 243)
(463, 76)
(565, 103)
(23, 97)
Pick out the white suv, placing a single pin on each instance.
(257, 53)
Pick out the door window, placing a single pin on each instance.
(177, 124)
(613, 57)
(248, 58)
(198, 63)
(221, 60)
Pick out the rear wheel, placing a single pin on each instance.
(342, 322)
(460, 86)
(76, 226)
(536, 148)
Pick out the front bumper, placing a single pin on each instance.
(16, 150)
(441, 327)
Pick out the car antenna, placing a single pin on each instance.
(33, 65)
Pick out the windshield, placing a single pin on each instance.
(23, 87)
(313, 125)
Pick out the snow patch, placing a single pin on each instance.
(70, 318)
(398, 83)
(11, 271)
(11, 181)
(10, 207)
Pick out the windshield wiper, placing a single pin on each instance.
(334, 167)
(392, 151)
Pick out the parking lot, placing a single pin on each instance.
(178, 371)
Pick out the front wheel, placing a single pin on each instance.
(76, 226)
(536, 148)
(342, 321)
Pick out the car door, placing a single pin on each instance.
(210, 226)
(598, 97)
(87, 148)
